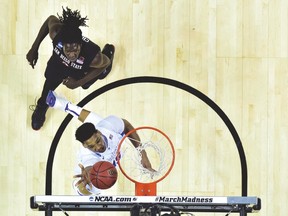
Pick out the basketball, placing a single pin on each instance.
(103, 175)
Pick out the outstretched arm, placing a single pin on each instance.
(135, 139)
(51, 26)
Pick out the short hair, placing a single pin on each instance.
(85, 131)
(72, 20)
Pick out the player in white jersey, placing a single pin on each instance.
(99, 137)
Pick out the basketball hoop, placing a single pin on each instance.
(160, 152)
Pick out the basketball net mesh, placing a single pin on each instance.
(146, 175)
(159, 150)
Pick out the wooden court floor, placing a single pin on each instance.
(233, 51)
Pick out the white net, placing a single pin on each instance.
(159, 150)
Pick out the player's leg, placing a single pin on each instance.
(57, 102)
(109, 51)
(38, 116)
(61, 103)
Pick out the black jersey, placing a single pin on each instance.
(60, 67)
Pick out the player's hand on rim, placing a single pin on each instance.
(84, 177)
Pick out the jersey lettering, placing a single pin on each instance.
(67, 62)
(79, 67)
(56, 50)
(85, 39)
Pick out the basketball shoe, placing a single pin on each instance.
(38, 116)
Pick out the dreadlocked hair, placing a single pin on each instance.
(72, 18)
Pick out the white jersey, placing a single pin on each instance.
(112, 128)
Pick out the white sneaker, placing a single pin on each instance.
(57, 102)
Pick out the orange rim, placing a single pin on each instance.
(132, 131)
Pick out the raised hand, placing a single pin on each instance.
(84, 176)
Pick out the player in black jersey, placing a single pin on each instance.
(76, 61)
